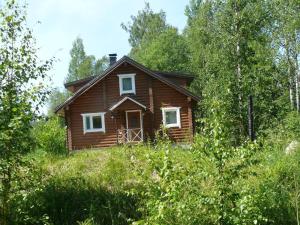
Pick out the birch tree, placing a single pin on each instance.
(230, 44)
(21, 96)
(287, 37)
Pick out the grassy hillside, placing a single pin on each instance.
(103, 186)
(211, 183)
(159, 184)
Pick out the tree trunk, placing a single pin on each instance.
(291, 90)
(238, 71)
(297, 79)
(290, 74)
(297, 89)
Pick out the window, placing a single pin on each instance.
(171, 117)
(127, 83)
(93, 122)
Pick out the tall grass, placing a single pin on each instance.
(163, 184)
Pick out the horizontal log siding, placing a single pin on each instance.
(92, 101)
(165, 96)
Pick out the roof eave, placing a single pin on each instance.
(88, 85)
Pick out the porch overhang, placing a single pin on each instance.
(125, 99)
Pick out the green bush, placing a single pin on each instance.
(292, 124)
(212, 183)
(256, 183)
(83, 188)
(50, 135)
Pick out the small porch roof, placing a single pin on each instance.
(127, 98)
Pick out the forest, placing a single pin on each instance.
(236, 50)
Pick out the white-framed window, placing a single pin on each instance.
(127, 83)
(171, 117)
(93, 122)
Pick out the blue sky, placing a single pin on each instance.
(97, 22)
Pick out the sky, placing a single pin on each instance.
(97, 22)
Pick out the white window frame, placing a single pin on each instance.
(171, 109)
(128, 75)
(90, 115)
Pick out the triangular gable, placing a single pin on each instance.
(123, 100)
(126, 59)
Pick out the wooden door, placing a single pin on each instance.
(134, 126)
(133, 120)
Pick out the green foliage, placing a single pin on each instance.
(220, 184)
(78, 56)
(82, 65)
(20, 96)
(232, 55)
(162, 184)
(26, 202)
(286, 37)
(145, 26)
(77, 189)
(55, 99)
(156, 44)
(100, 65)
(235, 48)
(86, 222)
(50, 135)
(291, 124)
(277, 187)
(171, 49)
(234, 202)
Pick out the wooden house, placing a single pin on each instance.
(128, 103)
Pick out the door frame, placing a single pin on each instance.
(141, 120)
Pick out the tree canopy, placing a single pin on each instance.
(155, 43)
(21, 97)
(82, 65)
(235, 49)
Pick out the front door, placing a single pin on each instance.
(134, 126)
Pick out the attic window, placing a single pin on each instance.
(93, 122)
(127, 83)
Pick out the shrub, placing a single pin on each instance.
(292, 124)
(50, 135)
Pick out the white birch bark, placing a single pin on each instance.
(297, 73)
(238, 70)
(290, 75)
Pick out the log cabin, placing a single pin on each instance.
(128, 103)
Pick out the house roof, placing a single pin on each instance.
(78, 81)
(161, 73)
(175, 74)
(116, 105)
(124, 59)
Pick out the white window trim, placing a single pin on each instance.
(171, 109)
(128, 75)
(101, 114)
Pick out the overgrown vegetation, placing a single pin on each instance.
(235, 49)
(257, 183)
(50, 135)
(20, 98)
